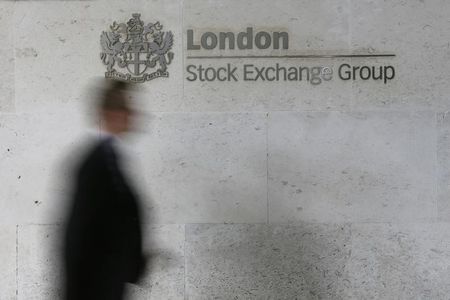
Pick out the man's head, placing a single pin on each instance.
(115, 108)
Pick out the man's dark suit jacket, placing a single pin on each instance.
(103, 241)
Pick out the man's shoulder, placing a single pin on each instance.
(95, 153)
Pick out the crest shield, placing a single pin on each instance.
(135, 48)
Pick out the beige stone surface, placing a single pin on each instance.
(399, 261)
(417, 32)
(260, 261)
(205, 167)
(443, 170)
(8, 250)
(352, 167)
(39, 262)
(7, 82)
(37, 153)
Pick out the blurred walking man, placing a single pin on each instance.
(103, 241)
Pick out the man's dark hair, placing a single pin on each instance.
(115, 96)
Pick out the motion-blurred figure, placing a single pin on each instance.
(103, 240)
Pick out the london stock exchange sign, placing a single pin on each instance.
(136, 49)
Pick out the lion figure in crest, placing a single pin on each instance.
(159, 47)
(112, 47)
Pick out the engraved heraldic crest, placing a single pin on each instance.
(135, 49)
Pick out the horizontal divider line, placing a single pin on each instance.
(292, 56)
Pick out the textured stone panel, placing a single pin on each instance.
(333, 166)
(39, 262)
(58, 51)
(164, 277)
(314, 27)
(417, 32)
(231, 261)
(205, 167)
(407, 261)
(40, 265)
(6, 57)
(443, 174)
(8, 258)
(36, 156)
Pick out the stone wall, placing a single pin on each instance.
(254, 190)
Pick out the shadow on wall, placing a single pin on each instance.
(267, 261)
(224, 261)
(40, 271)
